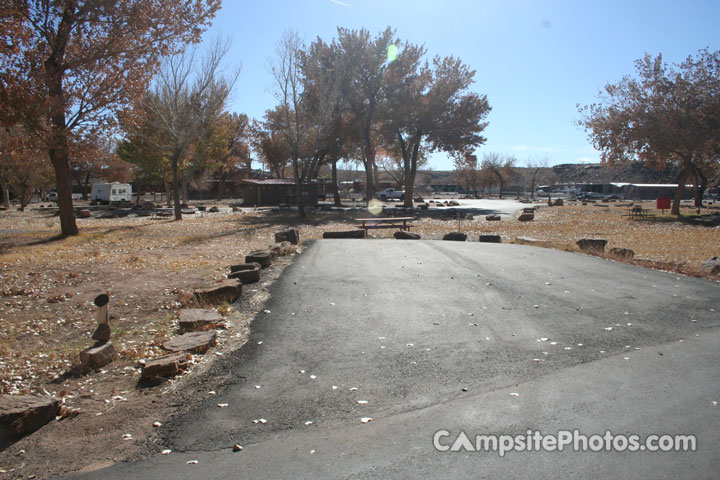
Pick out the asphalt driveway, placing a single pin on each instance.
(428, 336)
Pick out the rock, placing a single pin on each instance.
(246, 272)
(558, 202)
(711, 266)
(326, 207)
(198, 319)
(290, 235)
(592, 244)
(85, 213)
(345, 234)
(424, 206)
(526, 217)
(102, 333)
(213, 209)
(492, 218)
(528, 210)
(165, 366)
(98, 356)
(147, 206)
(455, 236)
(284, 248)
(490, 239)
(419, 200)
(187, 211)
(403, 235)
(227, 291)
(235, 208)
(469, 216)
(264, 258)
(193, 342)
(21, 414)
(454, 203)
(622, 252)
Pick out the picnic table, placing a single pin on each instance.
(639, 212)
(394, 222)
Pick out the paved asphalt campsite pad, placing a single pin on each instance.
(366, 349)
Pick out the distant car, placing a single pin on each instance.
(390, 193)
(591, 196)
(52, 197)
(612, 197)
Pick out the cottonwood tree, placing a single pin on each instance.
(225, 149)
(333, 133)
(501, 167)
(287, 74)
(467, 173)
(269, 144)
(71, 64)
(187, 98)
(429, 108)
(308, 112)
(666, 114)
(362, 63)
(146, 149)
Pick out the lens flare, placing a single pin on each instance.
(392, 52)
(375, 206)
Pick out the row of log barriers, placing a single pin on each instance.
(201, 323)
(198, 325)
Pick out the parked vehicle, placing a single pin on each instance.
(390, 193)
(111, 193)
(590, 196)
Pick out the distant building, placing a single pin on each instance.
(275, 191)
(630, 191)
(651, 191)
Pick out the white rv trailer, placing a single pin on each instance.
(111, 193)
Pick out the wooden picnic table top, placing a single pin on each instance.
(385, 219)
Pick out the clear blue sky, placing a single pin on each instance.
(535, 60)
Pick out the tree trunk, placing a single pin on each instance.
(176, 187)
(59, 159)
(221, 187)
(24, 196)
(410, 175)
(298, 190)
(58, 152)
(502, 182)
(6, 195)
(336, 192)
(369, 163)
(700, 186)
(682, 179)
(532, 184)
(166, 187)
(184, 184)
(85, 186)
